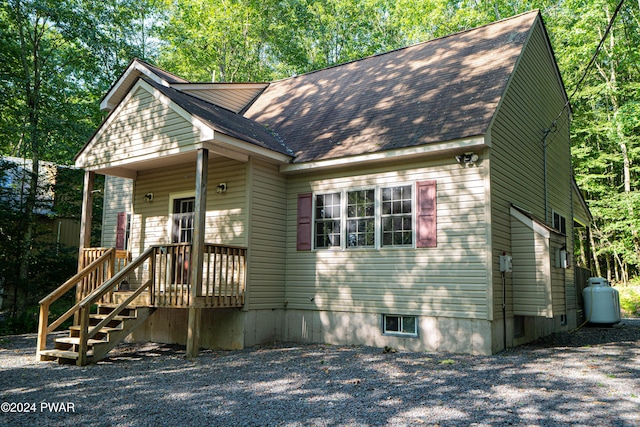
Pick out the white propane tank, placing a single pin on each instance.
(601, 302)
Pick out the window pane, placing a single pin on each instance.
(409, 325)
(361, 208)
(392, 324)
(387, 239)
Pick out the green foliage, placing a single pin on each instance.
(56, 60)
(629, 300)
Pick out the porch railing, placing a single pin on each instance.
(223, 276)
(90, 282)
(100, 269)
(162, 272)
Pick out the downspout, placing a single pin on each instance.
(504, 310)
(544, 162)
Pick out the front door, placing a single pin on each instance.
(182, 232)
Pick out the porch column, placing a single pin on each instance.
(197, 251)
(87, 212)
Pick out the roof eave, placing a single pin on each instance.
(433, 149)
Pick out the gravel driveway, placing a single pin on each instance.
(588, 378)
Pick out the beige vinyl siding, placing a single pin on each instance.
(558, 279)
(225, 221)
(449, 280)
(531, 272)
(141, 128)
(268, 231)
(230, 98)
(117, 198)
(517, 167)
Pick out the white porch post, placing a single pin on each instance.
(197, 251)
(87, 212)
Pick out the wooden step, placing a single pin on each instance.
(120, 296)
(104, 340)
(104, 316)
(76, 341)
(105, 330)
(64, 354)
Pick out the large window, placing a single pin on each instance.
(397, 218)
(372, 217)
(328, 218)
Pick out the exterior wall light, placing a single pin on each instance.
(468, 159)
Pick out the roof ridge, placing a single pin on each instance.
(156, 68)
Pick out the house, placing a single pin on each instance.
(56, 182)
(421, 199)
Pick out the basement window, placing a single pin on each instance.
(400, 325)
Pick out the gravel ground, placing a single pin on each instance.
(588, 378)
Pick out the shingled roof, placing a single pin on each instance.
(442, 90)
(223, 120)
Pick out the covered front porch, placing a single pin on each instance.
(185, 247)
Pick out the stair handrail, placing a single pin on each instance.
(44, 328)
(85, 305)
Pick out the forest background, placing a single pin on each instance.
(58, 58)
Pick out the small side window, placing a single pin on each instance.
(400, 325)
(559, 222)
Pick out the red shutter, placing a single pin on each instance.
(121, 230)
(426, 235)
(305, 211)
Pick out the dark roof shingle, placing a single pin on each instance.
(441, 90)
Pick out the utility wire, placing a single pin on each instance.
(587, 69)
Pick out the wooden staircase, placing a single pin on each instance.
(66, 350)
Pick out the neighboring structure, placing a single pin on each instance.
(375, 198)
(15, 175)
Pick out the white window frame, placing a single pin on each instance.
(400, 332)
(172, 198)
(378, 245)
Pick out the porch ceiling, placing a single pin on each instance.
(130, 170)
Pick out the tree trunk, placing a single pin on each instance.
(32, 80)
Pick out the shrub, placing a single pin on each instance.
(629, 300)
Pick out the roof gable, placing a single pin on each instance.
(441, 90)
(135, 70)
(224, 121)
(154, 121)
(145, 125)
